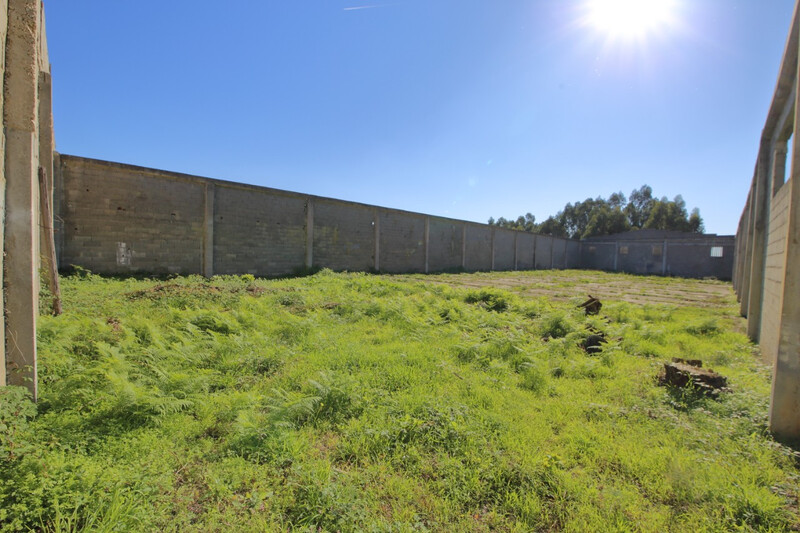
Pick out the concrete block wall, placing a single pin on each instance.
(344, 236)
(445, 244)
(504, 249)
(543, 254)
(767, 265)
(694, 260)
(402, 246)
(119, 219)
(774, 273)
(119, 222)
(478, 247)
(526, 246)
(274, 242)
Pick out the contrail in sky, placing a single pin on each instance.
(365, 7)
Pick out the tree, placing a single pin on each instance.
(639, 207)
(598, 216)
(606, 221)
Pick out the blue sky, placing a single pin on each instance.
(462, 108)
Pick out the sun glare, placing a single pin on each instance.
(630, 19)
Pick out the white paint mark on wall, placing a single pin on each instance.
(123, 254)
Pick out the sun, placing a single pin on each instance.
(630, 19)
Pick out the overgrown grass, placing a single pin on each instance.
(347, 402)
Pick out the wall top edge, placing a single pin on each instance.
(723, 240)
(67, 159)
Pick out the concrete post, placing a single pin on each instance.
(664, 258)
(464, 247)
(742, 237)
(493, 254)
(779, 166)
(784, 412)
(309, 233)
(46, 149)
(535, 238)
(376, 223)
(58, 206)
(427, 242)
(21, 279)
(748, 253)
(515, 250)
(616, 255)
(552, 248)
(3, 31)
(208, 231)
(759, 252)
(566, 254)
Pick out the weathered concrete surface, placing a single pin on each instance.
(768, 247)
(25, 46)
(504, 253)
(544, 252)
(526, 243)
(445, 245)
(763, 190)
(272, 244)
(402, 242)
(3, 33)
(478, 253)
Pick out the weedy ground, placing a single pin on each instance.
(351, 402)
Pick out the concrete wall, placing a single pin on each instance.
(688, 258)
(505, 253)
(446, 243)
(544, 252)
(402, 246)
(119, 219)
(774, 273)
(767, 265)
(26, 146)
(526, 244)
(478, 247)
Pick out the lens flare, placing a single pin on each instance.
(630, 19)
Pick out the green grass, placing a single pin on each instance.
(348, 402)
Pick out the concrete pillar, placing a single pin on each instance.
(376, 224)
(759, 250)
(664, 258)
(566, 254)
(208, 231)
(21, 279)
(493, 232)
(741, 254)
(3, 31)
(534, 251)
(784, 412)
(427, 242)
(58, 206)
(748, 254)
(309, 233)
(778, 166)
(464, 247)
(515, 251)
(616, 255)
(46, 151)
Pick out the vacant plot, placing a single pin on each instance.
(349, 402)
(567, 284)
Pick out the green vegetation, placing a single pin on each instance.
(597, 216)
(349, 402)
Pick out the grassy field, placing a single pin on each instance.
(349, 402)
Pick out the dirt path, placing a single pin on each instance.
(567, 284)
